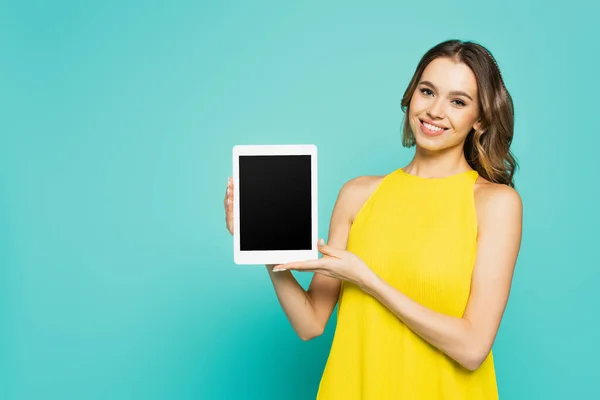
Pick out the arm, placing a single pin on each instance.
(305, 309)
(297, 303)
(308, 311)
(468, 340)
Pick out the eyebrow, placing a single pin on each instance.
(453, 93)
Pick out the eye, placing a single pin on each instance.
(460, 103)
(426, 91)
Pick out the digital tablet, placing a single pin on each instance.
(275, 203)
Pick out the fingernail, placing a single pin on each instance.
(278, 270)
(321, 242)
(228, 202)
(228, 191)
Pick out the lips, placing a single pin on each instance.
(432, 130)
(431, 123)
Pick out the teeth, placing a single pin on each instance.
(432, 127)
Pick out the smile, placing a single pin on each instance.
(430, 129)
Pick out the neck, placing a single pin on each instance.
(437, 164)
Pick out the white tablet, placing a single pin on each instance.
(275, 203)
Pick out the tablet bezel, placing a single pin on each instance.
(275, 256)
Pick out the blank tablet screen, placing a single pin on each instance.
(275, 202)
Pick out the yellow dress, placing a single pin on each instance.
(419, 235)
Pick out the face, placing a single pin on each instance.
(444, 107)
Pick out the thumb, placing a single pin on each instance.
(328, 251)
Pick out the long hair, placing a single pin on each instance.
(487, 150)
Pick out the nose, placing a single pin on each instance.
(436, 109)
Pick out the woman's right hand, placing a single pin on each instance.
(228, 203)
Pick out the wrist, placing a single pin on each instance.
(369, 281)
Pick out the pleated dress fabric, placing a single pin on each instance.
(419, 235)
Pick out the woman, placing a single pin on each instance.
(420, 260)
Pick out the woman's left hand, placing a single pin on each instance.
(340, 264)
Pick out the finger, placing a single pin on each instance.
(302, 265)
(228, 204)
(326, 250)
(227, 190)
(229, 220)
(280, 268)
(314, 270)
(228, 200)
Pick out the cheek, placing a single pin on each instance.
(463, 121)
(416, 105)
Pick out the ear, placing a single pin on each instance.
(477, 125)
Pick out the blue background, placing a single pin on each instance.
(117, 121)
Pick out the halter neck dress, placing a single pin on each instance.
(419, 235)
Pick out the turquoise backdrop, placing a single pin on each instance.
(117, 122)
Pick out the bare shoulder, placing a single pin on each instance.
(356, 191)
(494, 201)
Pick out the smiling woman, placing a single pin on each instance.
(458, 87)
(420, 261)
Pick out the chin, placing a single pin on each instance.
(422, 138)
(430, 143)
(438, 142)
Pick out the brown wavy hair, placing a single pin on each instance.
(486, 150)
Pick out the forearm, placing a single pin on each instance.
(451, 335)
(296, 304)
